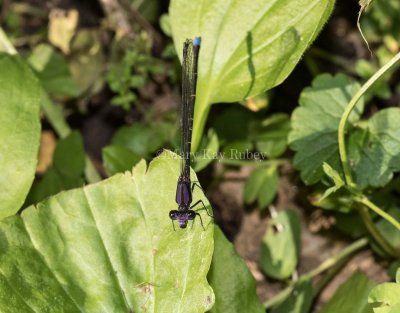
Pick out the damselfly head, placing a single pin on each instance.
(182, 217)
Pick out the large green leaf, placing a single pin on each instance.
(19, 132)
(315, 123)
(231, 280)
(108, 247)
(247, 46)
(351, 296)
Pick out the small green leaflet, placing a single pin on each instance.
(281, 245)
(262, 186)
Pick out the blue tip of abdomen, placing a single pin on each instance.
(197, 41)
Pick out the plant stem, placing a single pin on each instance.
(55, 116)
(374, 232)
(332, 261)
(347, 112)
(331, 273)
(327, 264)
(368, 203)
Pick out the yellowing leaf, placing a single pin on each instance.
(62, 27)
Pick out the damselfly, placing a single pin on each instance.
(184, 189)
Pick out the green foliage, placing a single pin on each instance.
(86, 56)
(19, 132)
(117, 159)
(131, 71)
(233, 284)
(208, 150)
(281, 245)
(262, 185)
(315, 124)
(381, 22)
(149, 9)
(52, 70)
(272, 134)
(237, 39)
(351, 296)
(140, 139)
(375, 151)
(365, 70)
(335, 177)
(388, 231)
(67, 171)
(240, 130)
(385, 298)
(299, 300)
(107, 247)
(69, 156)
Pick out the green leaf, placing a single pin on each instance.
(262, 185)
(237, 150)
(237, 39)
(118, 159)
(351, 296)
(108, 247)
(51, 183)
(52, 71)
(377, 156)
(331, 199)
(138, 138)
(271, 138)
(233, 124)
(67, 171)
(350, 224)
(69, 156)
(398, 276)
(231, 280)
(299, 300)
(335, 177)
(393, 269)
(86, 55)
(387, 230)
(165, 24)
(315, 124)
(281, 245)
(385, 298)
(19, 132)
(207, 152)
